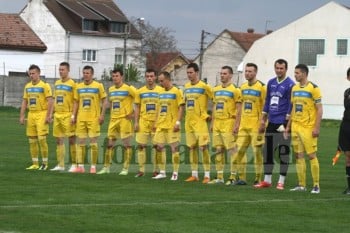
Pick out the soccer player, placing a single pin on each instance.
(344, 133)
(37, 98)
(146, 109)
(167, 125)
(226, 109)
(197, 94)
(305, 122)
(88, 98)
(63, 110)
(120, 100)
(276, 112)
(253, 98)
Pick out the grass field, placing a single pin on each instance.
(44, 201)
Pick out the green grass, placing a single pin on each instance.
(43, 201)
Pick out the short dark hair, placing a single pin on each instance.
(66, 64)
(34, 67)
(250, 64)
(89, 68)
(229, 68)
(194, 66)
(303, 68)
(348, 72)
(118, 70)
(151, 70)
(166, 75)
(282, 61)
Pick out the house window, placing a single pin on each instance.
(118, 59)
(89, 55)
(342, 47)
(309, 49)
(117, 27)
(90, 25)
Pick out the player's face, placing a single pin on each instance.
(280, 70)
(117, 79)
(192, 75)
(87, 76)
(250, 73)
(63, 70)
(150, 78)
(165, 83)
(299, 75)
(225, 76)
(34, 75)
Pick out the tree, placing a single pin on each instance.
(132, 74)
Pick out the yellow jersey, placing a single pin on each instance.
(36, 95)
(225, 99)
(253, 99)
(169, 102)
(64, 95)
(148, 101)
(196, 100)
(121, 100)
(89, 99)
(304, 100)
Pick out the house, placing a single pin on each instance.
(166, 61)
(18, 43)
(320, 40)
(83, 32)
(228, 48)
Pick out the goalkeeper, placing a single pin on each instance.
(344, 133)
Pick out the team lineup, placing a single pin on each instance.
(281, 116)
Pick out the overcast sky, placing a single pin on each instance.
(187, 18)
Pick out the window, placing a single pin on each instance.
(90, 25)
(117, 27)
(89, 55)
(342, 47)
(309, 49)
(118, 59)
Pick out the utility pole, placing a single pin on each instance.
(201, 54)
(126, 35)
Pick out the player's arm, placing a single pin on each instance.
(49, 100)
(101, 119)
(137, 117)
(319, 113)
(105, 105)
(180, 113)
(288, 127)
(75, 111)
(22, 114)
(238, 117)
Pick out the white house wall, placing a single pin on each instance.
(18, 61)
(222, 51)
(330, 22)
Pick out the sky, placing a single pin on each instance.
(187, 18)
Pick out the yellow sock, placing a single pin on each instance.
(206, 160)
(234, 166)
(141, 157)
(108, 157)
(301, 171)
(194, 159)
(60, 154)
(127, 158)
(83, 154)
(34, 150)
(159, 157)
(315, 171)
(258, 162)
(176, 161)
(73, 153)
(154, 159)
(44, 149)
(80, 150)
(94, 153)
(219, 164)
(162, 159)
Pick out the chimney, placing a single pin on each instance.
(250, 30)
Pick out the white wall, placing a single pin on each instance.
(329, 22)
(18, 61)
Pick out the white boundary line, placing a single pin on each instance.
(171, 203)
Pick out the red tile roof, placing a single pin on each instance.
(158, 61)
(245, 39)
(15, 34)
